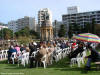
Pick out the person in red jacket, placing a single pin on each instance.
(73, 45)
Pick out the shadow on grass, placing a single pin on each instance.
(15, 66)
(64, 65)
(3, 62)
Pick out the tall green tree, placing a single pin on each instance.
(6, 34)
(93, 26)
(34, 34)
(90, 27)
(70, 32)
(87, 28)
(76, 28)
(23, 32)
(62, 31)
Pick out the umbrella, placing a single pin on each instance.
(88, 37)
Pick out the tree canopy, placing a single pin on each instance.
(25, 32)
(6, 34)
(62, 31)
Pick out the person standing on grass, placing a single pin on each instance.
(93, 57)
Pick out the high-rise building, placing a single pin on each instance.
(21, 23)
(2, 25)
(12, 25)
(26, 21)
(32, 24)
(45, 24)
(72, 10)
(81, 18)
(56, 26)
(44, 14)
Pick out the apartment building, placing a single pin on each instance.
(56, 26)
(2, 25)
(81, 18)
(44, 14)
(12, 25)
(26, 21)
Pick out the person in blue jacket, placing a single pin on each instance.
(10, 51)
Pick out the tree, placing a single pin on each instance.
(23, 32)
(93, 26)
(90, 27)
(87, 28)
(34, 34)
(62, 31)
(76, 28)
(6, 34)
(70, 32)
(17, 34)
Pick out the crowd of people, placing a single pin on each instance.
(76, 48)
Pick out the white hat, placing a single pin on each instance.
(12, 46)
(34, 43)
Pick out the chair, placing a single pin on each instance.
(51, 58)
(24, 58)
(58, 55)
(1, 54)
(27, 57)
(5, 54)
(64, 53)
(78, 60)
(13, 57)
(68, 50)
(19, 59)
(44, 61)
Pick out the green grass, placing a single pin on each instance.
(60, 68)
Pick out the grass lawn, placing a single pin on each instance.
(60, 68)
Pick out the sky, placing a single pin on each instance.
(15, 9)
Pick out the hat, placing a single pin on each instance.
(12, 46)
(34, 43)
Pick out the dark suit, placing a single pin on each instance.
(32, 49)
(95, 56)
(76, 52)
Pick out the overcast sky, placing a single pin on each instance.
(14, 9)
